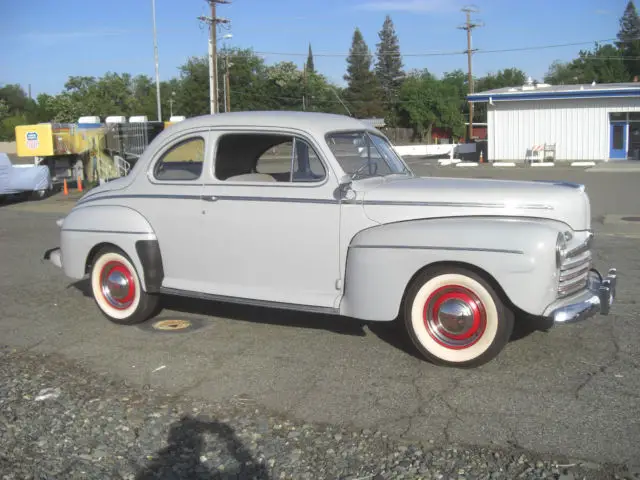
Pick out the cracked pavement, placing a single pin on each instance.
(570, 391)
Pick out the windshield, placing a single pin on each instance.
(363, 154)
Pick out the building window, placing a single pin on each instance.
(618, 117)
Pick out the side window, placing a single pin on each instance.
(252, 157)
(182, 161)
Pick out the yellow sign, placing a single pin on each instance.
(34, 140)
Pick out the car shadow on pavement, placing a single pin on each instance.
(391, 333)
(183, 456)
(264, 315)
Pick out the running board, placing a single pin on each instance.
(250, 302)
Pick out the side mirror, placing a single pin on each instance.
(345, 188)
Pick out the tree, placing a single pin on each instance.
(4, 109)
(388, 67)
(310, 66)
(509, 77)
(603, 65)
(16, 108)
(629, 39)
(427, 102)
(363, 90)
(15, 98)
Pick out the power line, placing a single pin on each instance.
(213, 21)
(437, 53)
(543, 47)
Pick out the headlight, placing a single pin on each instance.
(561, 248)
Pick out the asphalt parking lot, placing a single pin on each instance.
(572, 391)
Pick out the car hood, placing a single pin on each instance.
(430, 197)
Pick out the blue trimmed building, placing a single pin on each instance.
(598, 122)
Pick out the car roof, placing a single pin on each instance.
(314, 122)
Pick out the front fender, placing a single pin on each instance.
(87, 227)
(519, 254)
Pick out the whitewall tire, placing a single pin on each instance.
(117, 289)
(455, 318)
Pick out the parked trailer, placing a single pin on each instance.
(88, 149)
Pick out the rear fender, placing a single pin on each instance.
(86, 229)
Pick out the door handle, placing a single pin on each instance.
(210, 198)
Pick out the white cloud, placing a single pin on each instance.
(408, 5)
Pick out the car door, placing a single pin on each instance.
(170, 199)
(272, 221)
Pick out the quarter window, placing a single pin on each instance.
(182, 161)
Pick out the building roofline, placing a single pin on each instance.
(558, 92)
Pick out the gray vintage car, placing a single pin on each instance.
(318, 213)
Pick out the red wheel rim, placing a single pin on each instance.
(117, 285)
(455, 317)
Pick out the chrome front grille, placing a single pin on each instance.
(574, 271)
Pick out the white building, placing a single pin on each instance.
(572, 122)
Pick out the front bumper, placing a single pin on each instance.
(597, 298)
(54, 255)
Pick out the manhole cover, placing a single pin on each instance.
(171, 325)
(631, 219)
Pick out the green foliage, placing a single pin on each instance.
(8, 125)
(629, 39)
(4, 109)
(603, 65)
(427, 102)
(310, 65)
(509, 77)
(16, 108)
(388, 68)
(363, 92)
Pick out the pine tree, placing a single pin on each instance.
(310, 65)
(363, 89)
(389, 62)
(629, 39)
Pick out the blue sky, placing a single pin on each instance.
(45, 41)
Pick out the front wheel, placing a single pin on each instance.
(455, 318)
(117, 289)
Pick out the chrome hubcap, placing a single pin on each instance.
(117, 285)
(454, 317)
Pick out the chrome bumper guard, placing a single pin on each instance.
(54, 255)
(597, 298)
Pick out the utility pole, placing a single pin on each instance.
(227, 107)
(469, 26)
(304, 91)
(155, 53)
(213, 22)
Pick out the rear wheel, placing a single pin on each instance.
(117, 289)
(455, 318)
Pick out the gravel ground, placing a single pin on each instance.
(60, 420)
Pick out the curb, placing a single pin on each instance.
(504, 164)
(583, 164)
(467, 164)
(543, 164)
